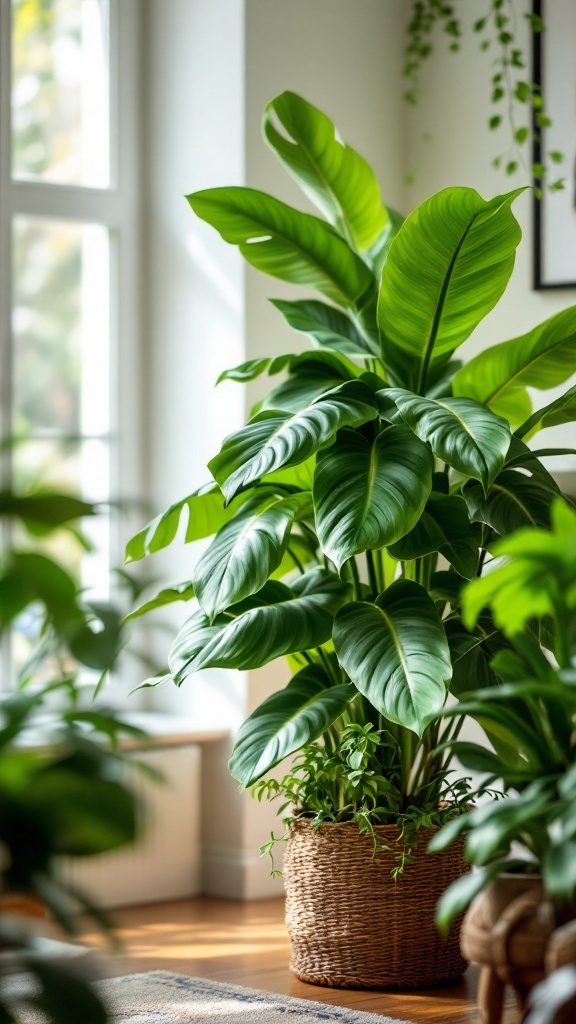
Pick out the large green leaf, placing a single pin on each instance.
(463, 433)
(472, 653)
(367, 493)
(395, 651)
(284, 242)
(562, 410)
(329, 327)
(310, 374)
(333, 175)
(543, 358)
(278, 620)
(446, 269)
(245, 552)
(514, 500)
(286, 721)
(276, 439)
(445, 527)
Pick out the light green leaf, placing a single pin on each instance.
(331, 174)
(284, 242)
(562, 410)
(286, 721)
(276, 439)
(278, 620)
(246, 551)
(327, 326)
(205, 511)
(465, 434)
(253, 368)
(395, 651)
(179, 592)
(446, 269)
(445, 527)
(369, 493)
(542, 358)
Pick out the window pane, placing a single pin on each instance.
(60, 91)
(60, 328)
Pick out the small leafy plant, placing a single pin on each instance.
(369, 484)
(530, 718)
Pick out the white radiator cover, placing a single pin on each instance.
(165, 863)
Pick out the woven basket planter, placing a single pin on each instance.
(351, 925)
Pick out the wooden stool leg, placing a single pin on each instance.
(490, 996)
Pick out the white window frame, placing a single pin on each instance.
(118, 209)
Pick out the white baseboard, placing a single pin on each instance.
(240, 874)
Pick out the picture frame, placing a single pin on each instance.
(554, 61)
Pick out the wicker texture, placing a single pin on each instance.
(352, 925)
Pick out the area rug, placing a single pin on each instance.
(160, 997)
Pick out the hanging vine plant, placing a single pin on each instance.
(518, 102)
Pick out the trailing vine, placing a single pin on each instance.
(517, 98)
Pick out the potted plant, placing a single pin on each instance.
(377, 454)
(523, 847)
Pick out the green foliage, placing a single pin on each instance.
(530, 717)
(374, 457)
(509, 90)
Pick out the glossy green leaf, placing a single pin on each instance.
(284, 242)
(245, 552)
(395, 651)
(465, 434)
(280, 620)
(331, 174)
(369, 493)
(169, 595)
(446, 269)
(286, 721)
(562, 410)
(542, 358)
(514, 500)
(329, 327)
(310, 375)
(276, 439)
(444, 526)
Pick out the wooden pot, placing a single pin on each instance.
(352, 925)
(512, 930)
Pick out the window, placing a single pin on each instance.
(68, 261)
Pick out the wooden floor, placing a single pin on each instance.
(246, 944)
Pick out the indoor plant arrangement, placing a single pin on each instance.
(533, 716)
(378, 453)
(63, 790)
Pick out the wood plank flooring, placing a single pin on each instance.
(246, 944)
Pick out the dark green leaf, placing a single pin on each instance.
(444, 526)
(286, 721)
(465, 434)
(369, 493)
(396, 653)
(279, 620)
(275, 439)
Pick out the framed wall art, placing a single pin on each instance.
(554, 69)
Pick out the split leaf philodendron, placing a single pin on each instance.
(375, 455)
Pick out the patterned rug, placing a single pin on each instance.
(160, 997)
